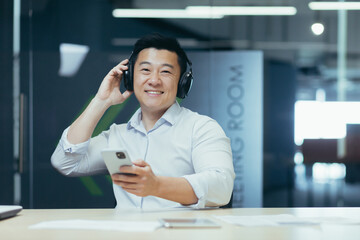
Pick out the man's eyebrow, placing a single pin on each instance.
(144, 62)
(164, 65)
(168, 65)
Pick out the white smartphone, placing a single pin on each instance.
(114, 159)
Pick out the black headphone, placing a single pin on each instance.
(184, 85)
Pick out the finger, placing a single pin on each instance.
(126, 94)
(123, 62)
(121, 177)
(123, 65)
(115, 72)
(140, 163)
(128, 169)
(127, 186)
(122, 68)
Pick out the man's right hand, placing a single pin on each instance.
(108, 94)
(109, 90)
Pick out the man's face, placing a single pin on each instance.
(156, 77)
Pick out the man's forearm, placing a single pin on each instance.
(176, 189)
(83, 127)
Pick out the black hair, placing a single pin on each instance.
(160, 42)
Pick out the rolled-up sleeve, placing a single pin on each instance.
(214, 176)
(81, 159)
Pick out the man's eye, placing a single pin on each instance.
(145, 70)
(166, 71)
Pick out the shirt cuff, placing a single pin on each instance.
(73, 148)
(200, 188)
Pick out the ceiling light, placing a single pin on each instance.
(242, 10)
(162, 13)
(334, 5)
(317, 28)
(206, 12)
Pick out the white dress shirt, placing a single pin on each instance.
(181, 144)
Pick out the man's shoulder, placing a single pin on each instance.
(192, 115)
(201, 125)
(196, 118)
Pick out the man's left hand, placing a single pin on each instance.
(143, 183)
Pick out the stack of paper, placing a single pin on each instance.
(265, 220)
(128, 226)
(284, 219)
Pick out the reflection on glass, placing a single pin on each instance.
(314, 119)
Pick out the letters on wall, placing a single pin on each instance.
(228, 86)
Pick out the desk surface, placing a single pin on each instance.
(17, 227)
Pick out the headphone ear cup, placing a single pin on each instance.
(184, 85)
(128, 77)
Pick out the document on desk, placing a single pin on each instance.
(285, 219)
(266, 220)
(126, 226)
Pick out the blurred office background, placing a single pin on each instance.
(54, 53)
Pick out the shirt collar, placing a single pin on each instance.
(172, 113)
(135, 120)
(169, 116)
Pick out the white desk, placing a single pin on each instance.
(17, 227)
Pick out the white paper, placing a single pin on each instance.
(127, 226)
(266, 220)
(337, 220)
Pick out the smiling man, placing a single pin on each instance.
(180, 158)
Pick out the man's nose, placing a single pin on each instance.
(155, 79)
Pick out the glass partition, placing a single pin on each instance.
(56, 52)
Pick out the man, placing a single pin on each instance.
(180, 158)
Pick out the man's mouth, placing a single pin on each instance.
(154, 92)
